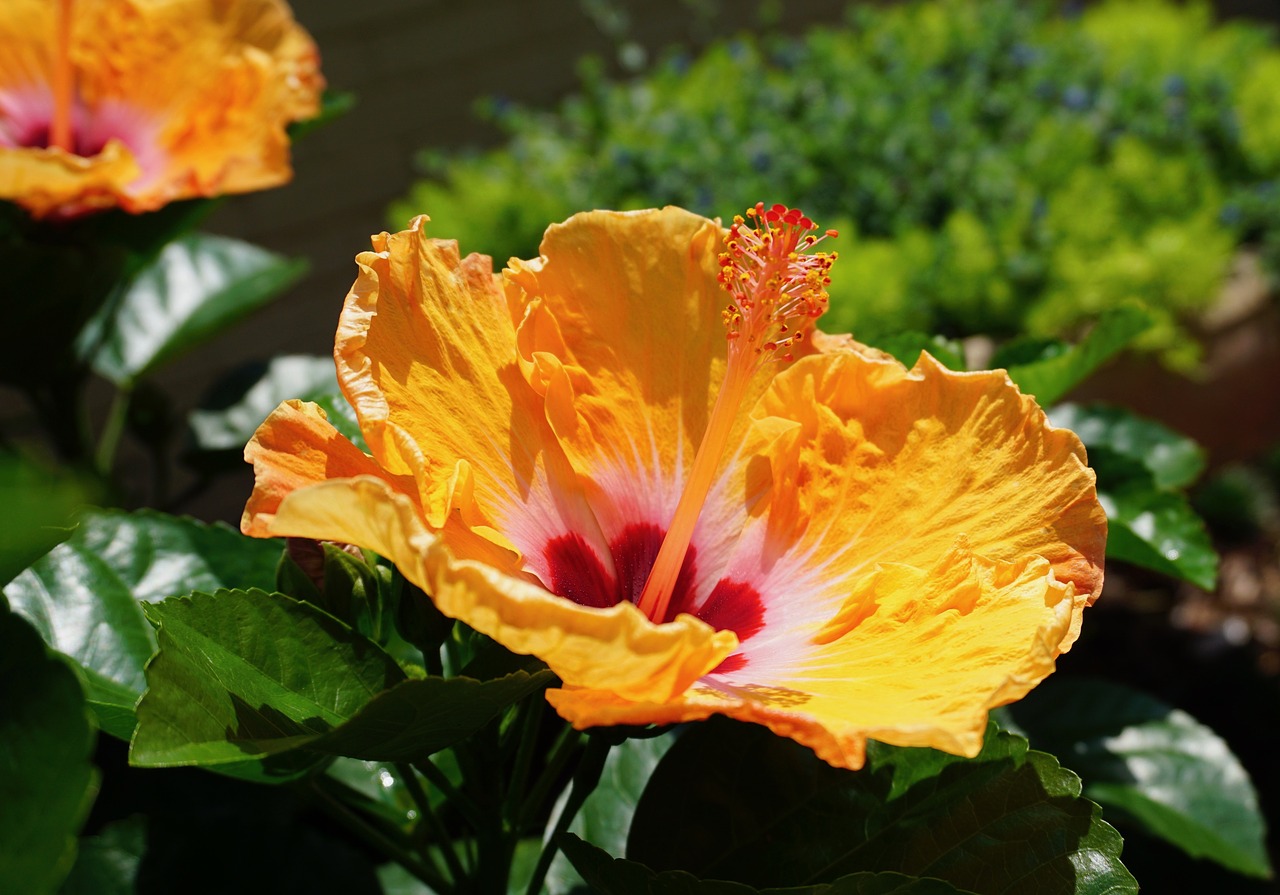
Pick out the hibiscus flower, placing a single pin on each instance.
(137, 103)
(635, 458)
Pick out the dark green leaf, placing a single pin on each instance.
(1159, 530)
(83, 595)
(906, 347)
(79, 268)
(1025, 350)
(419, 717)
(1174, 461)
(107, 864)
(1051, 377)
(38, 504)
(1006, 820)
(1169, 774)
(199, 285)
(247, 674)
(250, 674)
(291, 376)
(605, 818)
(47, 781)
(613, 876)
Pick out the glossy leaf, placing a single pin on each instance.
(1173, 460)
(605, 818)
(1009, 819)
(47, 781)
(197, 286)
(1155, 765)
(906, 347)
(247, 674)
(607, 875)
(1061, 369)
(1159, 530)
(107, 864)
(83, 596)
(290, 376)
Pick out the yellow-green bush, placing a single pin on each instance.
(994, 167)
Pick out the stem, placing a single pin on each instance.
(585, 779)
(532, 709)
(353, 822)
(564, 747)
(436, 828)
(456, 798)
(63, 81)
(112, 429)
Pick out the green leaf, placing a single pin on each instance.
(416, 718)
(1174, 461)
(906, 347)
(613, 876)
(47, 781)
(1159, 530)
(343, 417)
(199, 285)
(333, 105)
(1007, 820)
(290, 376)
(83, 596)
(107, 864)
(1157, 766)
(1059, 371)
(250, 674)
(38, 504)
(605, 818)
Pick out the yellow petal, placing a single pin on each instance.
(426, 355)
(924, 545)
(620, 330)
(934, 652)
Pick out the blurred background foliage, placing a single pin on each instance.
(996, 167)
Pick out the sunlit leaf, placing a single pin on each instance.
(1173, 460)
(289, 376)
(1060, 369)
(248, 674)
(83, 596)
(1154, 765)
(199, 285)
(1159, 530)
(906, 347)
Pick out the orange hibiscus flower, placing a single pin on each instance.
(783, 527)
(136, 103)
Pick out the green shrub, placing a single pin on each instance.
(993, 166)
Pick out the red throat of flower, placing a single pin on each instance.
(63, 79)
(777, 288)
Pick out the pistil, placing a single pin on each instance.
(63, 80)
(777, 289)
